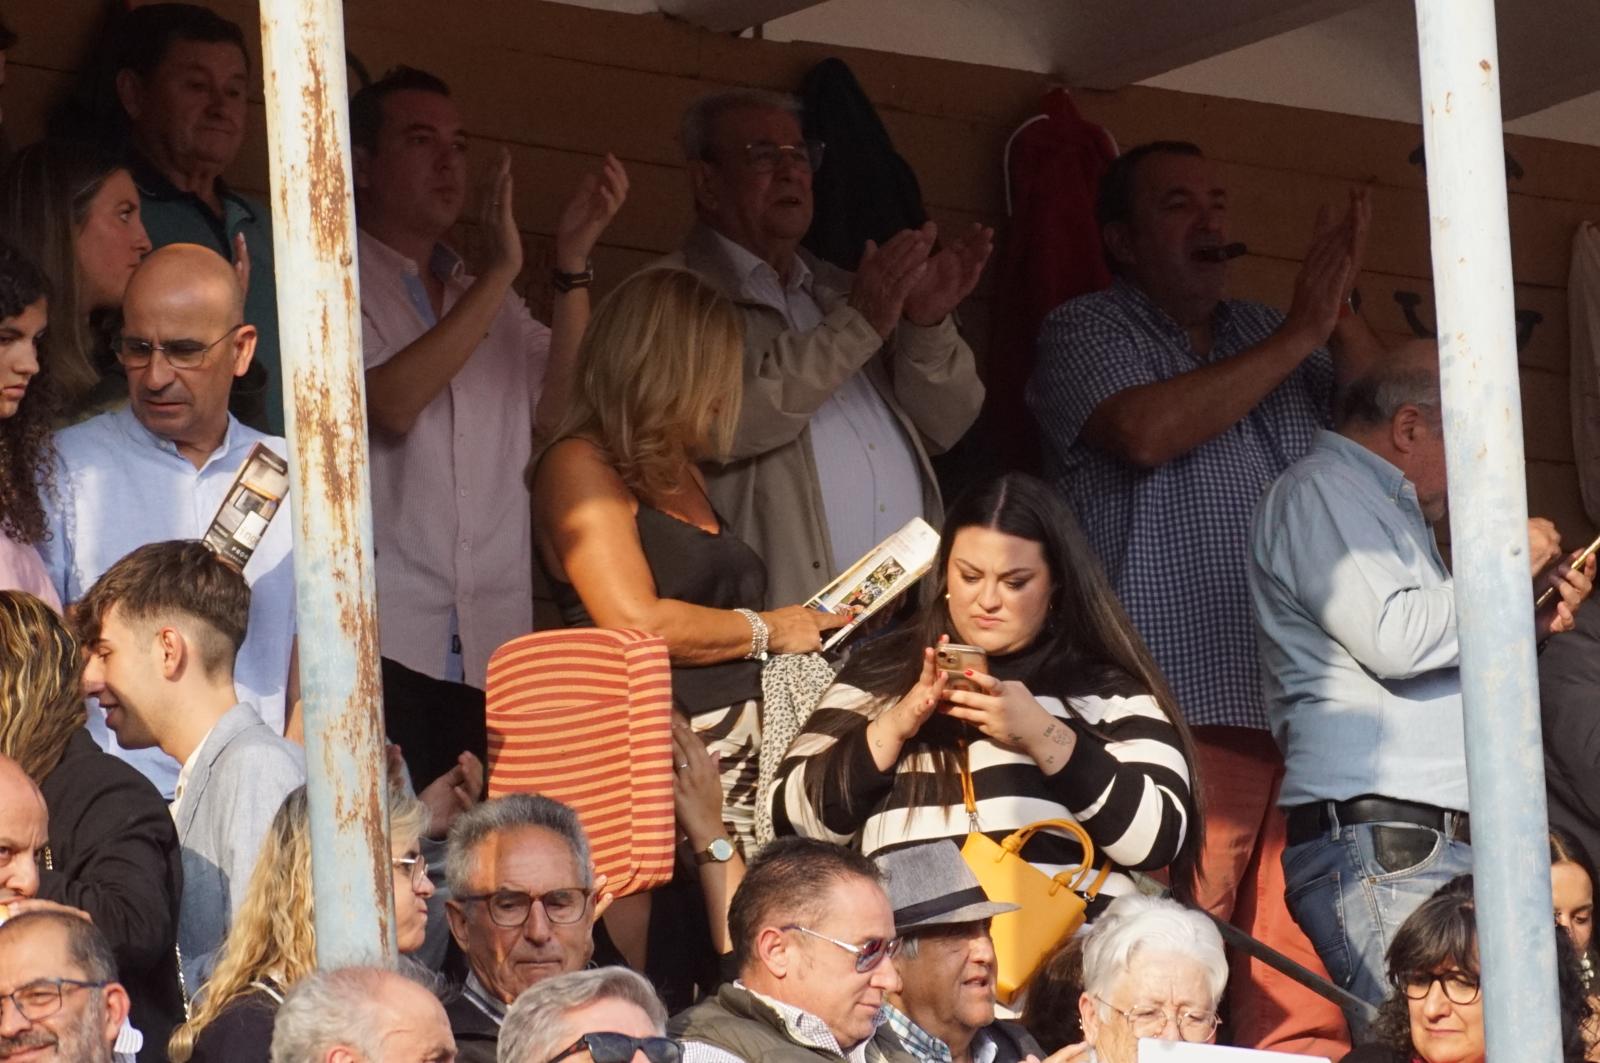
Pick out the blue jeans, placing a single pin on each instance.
(1351, 889)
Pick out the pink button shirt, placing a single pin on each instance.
(449, 509)
(21, 570)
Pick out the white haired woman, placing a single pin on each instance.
(1151, 969)
(609, 1013)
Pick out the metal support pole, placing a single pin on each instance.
(1488, 525)
(313, 231)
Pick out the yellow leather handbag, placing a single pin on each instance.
(1051, 909)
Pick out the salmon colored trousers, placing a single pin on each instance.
(1239, 877)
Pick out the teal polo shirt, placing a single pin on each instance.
(174, 216)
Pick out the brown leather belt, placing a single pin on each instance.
(1309, 822)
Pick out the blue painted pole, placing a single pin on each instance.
(1471, 238)
(313, 232)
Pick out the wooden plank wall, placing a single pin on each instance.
(560, 85)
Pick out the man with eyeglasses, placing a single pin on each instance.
(814, 941)
(606, 1015)
(523, 901)
(159, 468)
(59, 998)
(851, 380)
(944, 1010)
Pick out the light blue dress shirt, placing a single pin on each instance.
(120, 486)
(1356, 620)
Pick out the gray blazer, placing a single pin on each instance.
(243, 772)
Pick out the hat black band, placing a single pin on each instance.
(914, 913)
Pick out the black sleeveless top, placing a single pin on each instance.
(691, 565)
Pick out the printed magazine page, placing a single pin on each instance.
(251, 502)
(879, 578)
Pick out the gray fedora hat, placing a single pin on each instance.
(930, 885)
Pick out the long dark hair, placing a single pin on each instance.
(48, 188)
(1087, 645)
(1567, 849)
(1443, 931)
(25, 450)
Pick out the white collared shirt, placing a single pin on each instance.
(867, 470)
(120, 486)
(183, 778)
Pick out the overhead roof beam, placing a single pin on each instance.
(732, 16)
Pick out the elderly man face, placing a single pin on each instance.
(186, 300)
(191, 108)
(50, 1010)
(761, 207)
(1163, 996)
(23, 832)
(527, 913)
(948, 980)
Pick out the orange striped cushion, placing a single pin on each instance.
(584, 716)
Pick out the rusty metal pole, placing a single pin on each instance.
(314, 242)
(1472, 283)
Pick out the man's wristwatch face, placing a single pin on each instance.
(719, 851)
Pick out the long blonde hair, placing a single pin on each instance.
(273, 936)
(661, 378)
(41, 703)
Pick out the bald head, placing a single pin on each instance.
(191, 274)
(1405, 376)
(23, 832)
(187, 301)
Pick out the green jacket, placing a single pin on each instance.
(738, 1022)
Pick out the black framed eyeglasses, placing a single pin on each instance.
(1459, 986)
(135, 352)
(763, 156)
(619, 1048)
(42, 999)
(510, 909)
(868, 954)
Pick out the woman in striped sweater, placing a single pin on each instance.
(1073, 720)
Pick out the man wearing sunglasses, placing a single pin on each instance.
(160, 468)
(59, 997)
(523, 901)
(607, 1015)
(814, 941)
(850, 379)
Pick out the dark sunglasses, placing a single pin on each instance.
(619, 1048)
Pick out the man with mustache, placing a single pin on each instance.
(182, 79)
(944, 1011)
(523, 901)
(59, 997)
(159, 469)
(1165, 410)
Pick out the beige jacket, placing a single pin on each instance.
(768, 492)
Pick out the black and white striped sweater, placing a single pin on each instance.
(1130, 791)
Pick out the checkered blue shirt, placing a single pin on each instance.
(1175, 540)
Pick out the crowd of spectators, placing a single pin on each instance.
(1214, 647)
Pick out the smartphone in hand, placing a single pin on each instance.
(955, 660)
